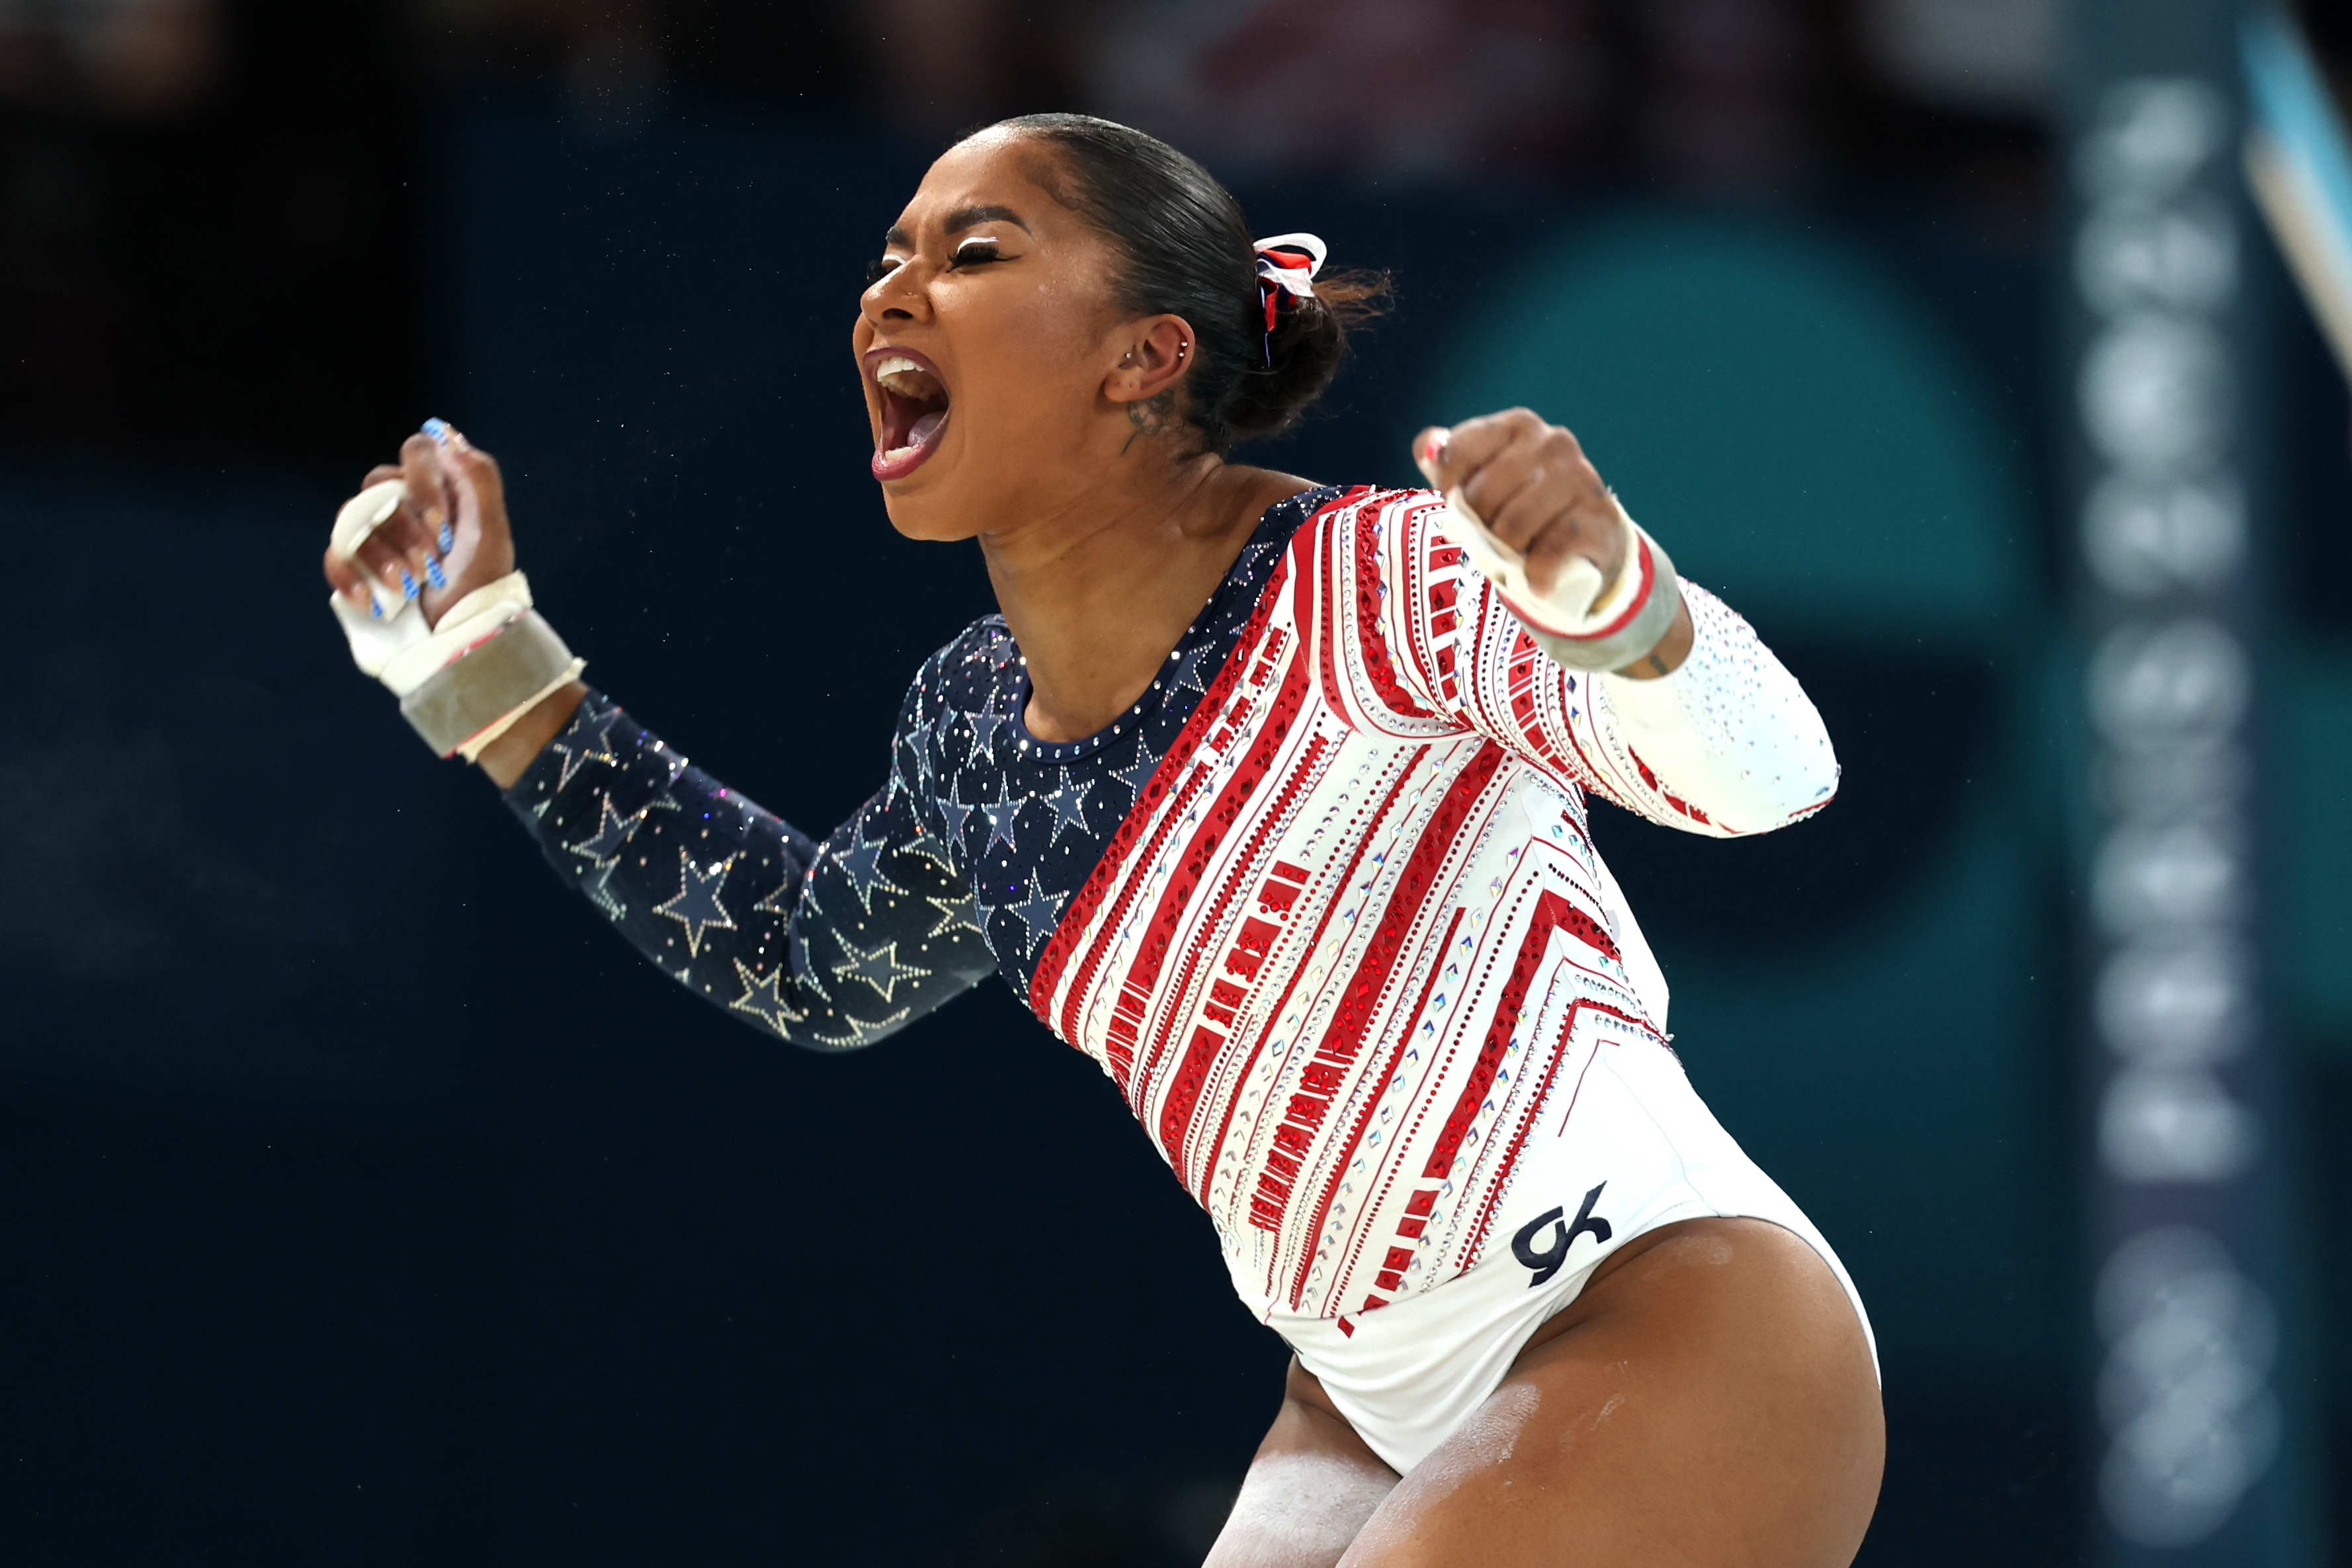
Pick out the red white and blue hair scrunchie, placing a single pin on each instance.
(1286, 265)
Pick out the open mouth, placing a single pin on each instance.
(914, 412)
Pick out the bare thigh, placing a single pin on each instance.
(1708, 1399)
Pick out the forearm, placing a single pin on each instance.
(828, 945)
(1729, 739)
(506, 758)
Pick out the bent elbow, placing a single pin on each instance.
(1807, 779)
(1787, 778)
(1823, 790)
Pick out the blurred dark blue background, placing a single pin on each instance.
(368, 1203)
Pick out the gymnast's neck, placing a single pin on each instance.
(1098, 578)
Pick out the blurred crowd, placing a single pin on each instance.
(1718, 95)
(204, 203)
(1743, 95)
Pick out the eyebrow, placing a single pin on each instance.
(957, 221)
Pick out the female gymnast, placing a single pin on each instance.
(1270, 796)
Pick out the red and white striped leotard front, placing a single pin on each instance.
(1337, 955)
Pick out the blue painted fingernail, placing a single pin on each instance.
(448, 538)
(438, 430)
(433, 572)
(407, 583)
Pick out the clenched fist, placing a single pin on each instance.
(449, 535)
(1532, 485)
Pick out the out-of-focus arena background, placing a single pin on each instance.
(367, 1202)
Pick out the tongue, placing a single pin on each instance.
(923, 429)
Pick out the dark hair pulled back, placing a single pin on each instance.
(1185, 250)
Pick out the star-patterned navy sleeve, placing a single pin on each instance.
(830, 945)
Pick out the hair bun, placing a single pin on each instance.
(1306, 348)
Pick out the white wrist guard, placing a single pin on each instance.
(461, 683)
(1580, 622)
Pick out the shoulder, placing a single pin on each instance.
(979, 662)
(1373, 531)
(1322, 503)
(1353, 519)
(1365, 542)
(1371, 570)
(1369, 508)
(977, 672)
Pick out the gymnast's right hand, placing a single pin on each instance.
(449, 535)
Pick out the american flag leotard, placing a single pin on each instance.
(1323, 904)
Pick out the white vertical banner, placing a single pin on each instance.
(2181, 1213)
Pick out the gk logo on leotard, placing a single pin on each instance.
(1546, 1262)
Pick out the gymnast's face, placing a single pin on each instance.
(987, 344)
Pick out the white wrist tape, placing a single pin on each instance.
(461, 683)
(1580, 622)
(360, 517)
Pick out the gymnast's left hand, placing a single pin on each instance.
(450, 536)
(1532, 485)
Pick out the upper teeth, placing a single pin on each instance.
(894, 366)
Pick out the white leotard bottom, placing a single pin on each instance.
(1412, 1372)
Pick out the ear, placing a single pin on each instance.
(1152, 354)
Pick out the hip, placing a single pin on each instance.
(1630, 1149)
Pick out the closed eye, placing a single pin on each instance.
(970, 253)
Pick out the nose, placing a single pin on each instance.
(897, 296)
